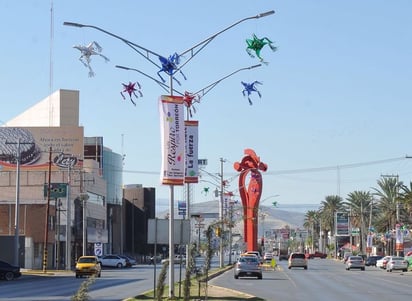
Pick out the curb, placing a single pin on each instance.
(47, 273)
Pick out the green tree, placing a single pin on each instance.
(388, 197)
(357, 203)
(405, 199)
(329, 206)
(310, 223)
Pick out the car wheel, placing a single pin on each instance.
(289, 268)
(77, 276)
(362, 269)
(9, 276)
(260, 277)
(305, 268)
(404, 270)
(119, 265)
(236, 277)
(99, 274)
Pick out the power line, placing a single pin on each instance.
(302, 170)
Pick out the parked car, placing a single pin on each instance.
(9, 272)
(88, 266)
(355, 262)
(248, 266)
(317, 255)
(396, 263)
(112, 261)
(178, 259)
(297, 260)
(129, 260)
(371, 260)
(381, 263)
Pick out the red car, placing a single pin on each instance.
(317, 255)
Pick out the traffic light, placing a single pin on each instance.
(217, 231)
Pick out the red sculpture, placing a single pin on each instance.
(250, 190)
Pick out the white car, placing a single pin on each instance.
(178, 259)
(112, 261)
(381, 263)
(267, 256)
(297, 260)
(257, 254)
(396, 263)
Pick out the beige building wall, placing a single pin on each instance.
(59, 109)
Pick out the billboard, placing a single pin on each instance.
(342, 223)
(32, 145)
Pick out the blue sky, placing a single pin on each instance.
(336, 97)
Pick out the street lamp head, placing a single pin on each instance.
(73, 24)
(268, 13)
(255, 66)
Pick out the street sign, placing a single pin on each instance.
(57, 190)
(98, 249)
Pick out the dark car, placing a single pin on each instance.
(317, 255)
(371, 260)
(8, 271)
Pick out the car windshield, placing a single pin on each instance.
(248, 259)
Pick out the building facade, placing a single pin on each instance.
(55, 177)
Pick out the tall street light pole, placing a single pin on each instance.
(17, 205)
(191, 52)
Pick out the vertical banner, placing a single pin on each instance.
(369, 240)
(399, 238)
(172, 139)
(192, 142)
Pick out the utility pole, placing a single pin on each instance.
(46, 227)
(68, 224)
(221, 258)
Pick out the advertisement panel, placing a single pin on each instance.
(172, 139)
(32, 145)
(342, 224)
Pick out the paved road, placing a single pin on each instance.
(114, 285)
(325, 279)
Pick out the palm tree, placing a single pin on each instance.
(405, 199)
(357, 202)
(388, 197)
(329, 207)
(311, 218)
